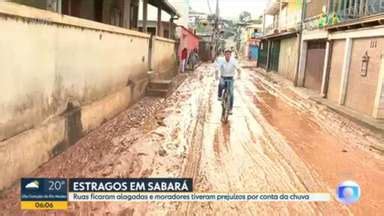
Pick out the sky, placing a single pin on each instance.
(230, 8)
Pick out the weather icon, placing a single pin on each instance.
(33, 185)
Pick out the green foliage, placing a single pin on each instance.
(245, 16)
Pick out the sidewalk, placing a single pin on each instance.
(148, 139)
(330, 116)
(365, 120)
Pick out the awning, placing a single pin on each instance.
(281, 35)
(166, 6)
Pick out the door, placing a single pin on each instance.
(262, 58)
(314, 65)
(254, 51)
(274, 56)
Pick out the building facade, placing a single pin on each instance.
(187, 39)
(340, 52)
(249, 34)
(314, 46)
(355, 72)
(280, 43)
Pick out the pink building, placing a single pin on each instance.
(187, 40)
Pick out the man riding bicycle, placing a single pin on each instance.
(227, 66)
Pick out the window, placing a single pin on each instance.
(166, 33)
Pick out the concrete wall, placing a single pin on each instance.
(60, 78)
(380, 110)
(379, 102)
(164, 60)
(347, 86)
(368, 39)
(361, 90)
(336, 66)
(288, 57)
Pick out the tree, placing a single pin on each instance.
(245, 16)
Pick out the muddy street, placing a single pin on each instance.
(270, 145)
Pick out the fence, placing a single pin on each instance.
(345, 10)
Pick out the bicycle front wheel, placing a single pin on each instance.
(225, 106)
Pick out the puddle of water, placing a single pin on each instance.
(321, 150)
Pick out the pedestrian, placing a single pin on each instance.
(193, 59)
(257, 52)
(184, 55)
(225, 68)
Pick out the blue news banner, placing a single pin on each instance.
(51, 194)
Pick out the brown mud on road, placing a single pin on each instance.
(248, 155)
(269, 146)
(335, 158)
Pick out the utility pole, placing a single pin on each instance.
(217, 10)
(301, 43)
(216, 31)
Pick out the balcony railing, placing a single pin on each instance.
(290, 22)
(272, 28)
(287, 23)
(347, 10)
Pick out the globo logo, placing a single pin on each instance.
(348, 192)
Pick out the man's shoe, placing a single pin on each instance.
(230, 112)
(220, 99)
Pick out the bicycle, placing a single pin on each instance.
(226, 102)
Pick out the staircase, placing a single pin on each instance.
(159, 88)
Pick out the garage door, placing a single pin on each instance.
(314, 65)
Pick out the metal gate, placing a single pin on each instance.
(273, 64)
(262, 58)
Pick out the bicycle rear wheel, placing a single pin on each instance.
(225, 107)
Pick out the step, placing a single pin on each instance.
(157, 92)
(160, 84)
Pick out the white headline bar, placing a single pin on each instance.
(198, 197)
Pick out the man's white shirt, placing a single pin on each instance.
(227, 69)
